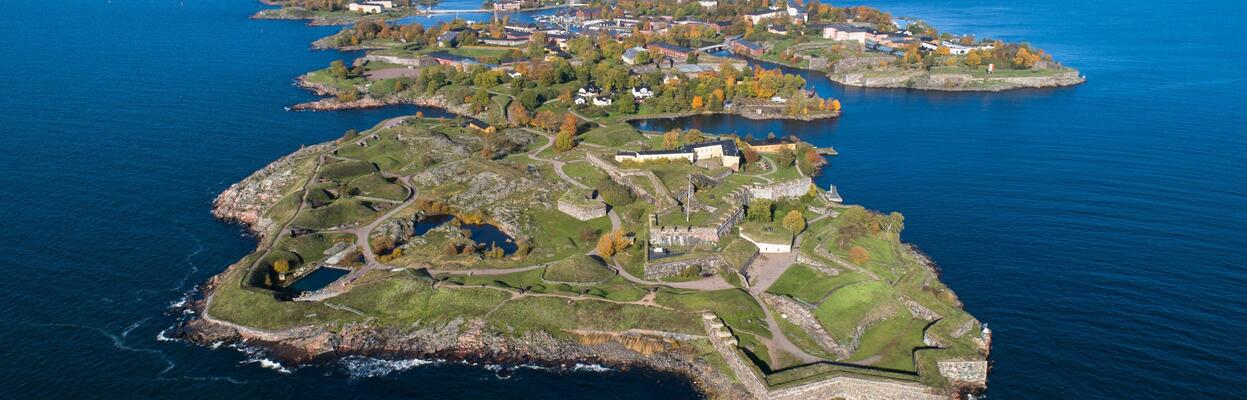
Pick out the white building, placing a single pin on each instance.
(630, 55)
(845, 32)
(725, 150)
(641, 93)
(960, 49)
(371, 7)
(366, 8)
(602, 101)
(760, 16)
(708, 3)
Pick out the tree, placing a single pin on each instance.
(605, 246)
(785, 158)
(751, 156)
(564, 141)
(349, 95)
(794, 221)
(618, 242)
(569, 124)
(671, 139)
(973, 59)
(480, 99)
(517, 114)
(529, 99)
(337, 69)
(693, 136)
(1025, 59)
(626, 104)
(281, 267)
(698, 103)
(859, 255)
(835, 105)
(760, 210)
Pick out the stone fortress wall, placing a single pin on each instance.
(782, 190)
(662, 269)
(583, 205)
(836, 387)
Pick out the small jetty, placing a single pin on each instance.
(827, 151)
(833, 195)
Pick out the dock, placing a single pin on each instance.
(827, 151)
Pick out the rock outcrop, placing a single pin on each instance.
(245, 202)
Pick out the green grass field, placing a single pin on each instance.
(578, 269)
(766, 232)
(803, 283)
(341, 212)
(841, 312)
(613, 136)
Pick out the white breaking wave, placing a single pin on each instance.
(267, 363)
(365, 367)
(590, 368)
(162, 337)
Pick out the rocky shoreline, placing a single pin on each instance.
(460, 340)
(957, 82)
(922, 80)
(332, 103)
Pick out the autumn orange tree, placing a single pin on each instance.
(605, 246)
(671, 139)
(859, 255)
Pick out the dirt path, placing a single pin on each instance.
(774, 266)
(556, 164)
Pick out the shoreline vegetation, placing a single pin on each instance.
(505, 235)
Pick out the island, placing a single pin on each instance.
(713, 257)
(526, 221)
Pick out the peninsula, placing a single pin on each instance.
(538, 226)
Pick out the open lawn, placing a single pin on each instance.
(766, 232)
(613, 136)
(803, 283)
(736, 307)
(578, 269)
(340, 212)
(891, 343)
(841, 312)
(374, 185)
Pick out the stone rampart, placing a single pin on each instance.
(801, 316)
(583, 205)
(663, 269)
(836, 387)
(782, 190)
(973, 372)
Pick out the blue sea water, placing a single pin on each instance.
(1096, 229)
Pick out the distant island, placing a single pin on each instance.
(854, 46)
(536, 225)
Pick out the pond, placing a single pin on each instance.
(484, 234)
(426, 224)
(488, 234)
(317, 280)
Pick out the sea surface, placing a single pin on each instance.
(1098, 230)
